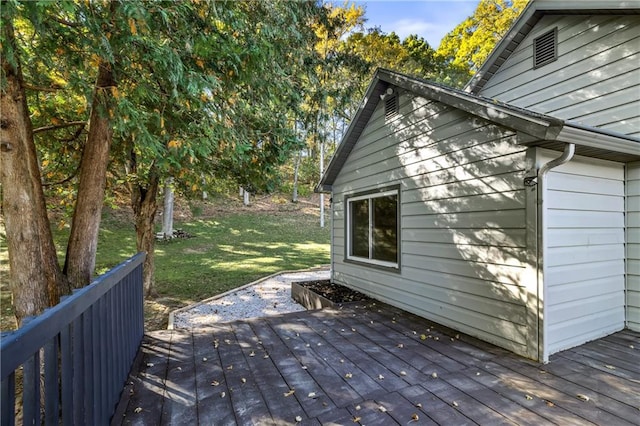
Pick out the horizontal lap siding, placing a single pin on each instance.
(585, 252)
(595, 80)
(463, 236)
(633, 246)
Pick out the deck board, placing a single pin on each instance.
(292, 369)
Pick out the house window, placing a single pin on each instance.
(545, 48)
(372, 228)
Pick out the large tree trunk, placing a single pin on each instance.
(35, 277)
(83, 241)
(144, 201)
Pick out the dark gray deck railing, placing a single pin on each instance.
(76, 356)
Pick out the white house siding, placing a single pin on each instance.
(595, 81)
(463, 236)
(585, 259)
(633, 246)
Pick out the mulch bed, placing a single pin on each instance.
(335, 292)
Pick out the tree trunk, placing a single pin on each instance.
(144, 201)
(35, 278)
(167, 213)
(296, 168)
(83, 241)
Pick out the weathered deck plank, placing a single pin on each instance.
(372, 365)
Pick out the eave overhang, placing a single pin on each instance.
(533, 129)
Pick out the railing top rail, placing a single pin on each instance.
(29, 338)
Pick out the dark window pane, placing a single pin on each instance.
(360, 228)
(385, 228)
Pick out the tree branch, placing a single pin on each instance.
(59, 126)
(67, 23)
(42, 88)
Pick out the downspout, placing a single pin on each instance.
(567, 155)
(331, 251)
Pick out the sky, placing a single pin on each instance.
(431, 19)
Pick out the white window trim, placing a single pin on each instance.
(369, 260)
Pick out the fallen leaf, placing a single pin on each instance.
(457, 336)
(137, 410)
(434, 375)
(266, 356)
(230, 367)
(357, 419)
(549, 403)
(304, 367)
(415, 417)
(423, 337)
(380, 377)
(223, 394)
(357, 407)
(583, 397)
(631, 346)
(353, 329)
(252, 353)
(400, 345)
(403, 373)
(419, 405)
(227, 341)
(610, 367)
(348, 375)
(243, 380)
(298, 418)
(149, 364)
(382, 409)
(455, 404)
(529, 397)
(215, 383)
(312, 395)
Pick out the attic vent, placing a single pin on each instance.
(390, 105)
(545, 48)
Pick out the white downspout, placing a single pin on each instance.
(567, 155)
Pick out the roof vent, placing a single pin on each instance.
(390, 105)
(545, 48)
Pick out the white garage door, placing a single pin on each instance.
(584, 280)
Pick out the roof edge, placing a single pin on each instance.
(531, 14)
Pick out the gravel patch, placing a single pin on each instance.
(265, 297)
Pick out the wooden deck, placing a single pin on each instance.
(372, 365)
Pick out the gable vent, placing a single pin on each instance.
(390, 105)
(545, 48)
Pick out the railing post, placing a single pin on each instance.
(82, 350)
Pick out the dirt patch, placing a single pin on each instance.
(335, 292)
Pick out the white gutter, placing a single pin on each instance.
(567, 155)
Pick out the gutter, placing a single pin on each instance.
(567, 155)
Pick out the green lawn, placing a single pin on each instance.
(228, 250)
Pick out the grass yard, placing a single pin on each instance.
(230, 248)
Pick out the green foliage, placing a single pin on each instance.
(201, 87)
(471, 42)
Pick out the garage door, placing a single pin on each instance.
(584, 280)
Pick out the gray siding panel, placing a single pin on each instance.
(633, 246)
(463, 235)
(585, 280)
(595, 80)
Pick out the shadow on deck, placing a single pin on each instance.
(373, 365)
